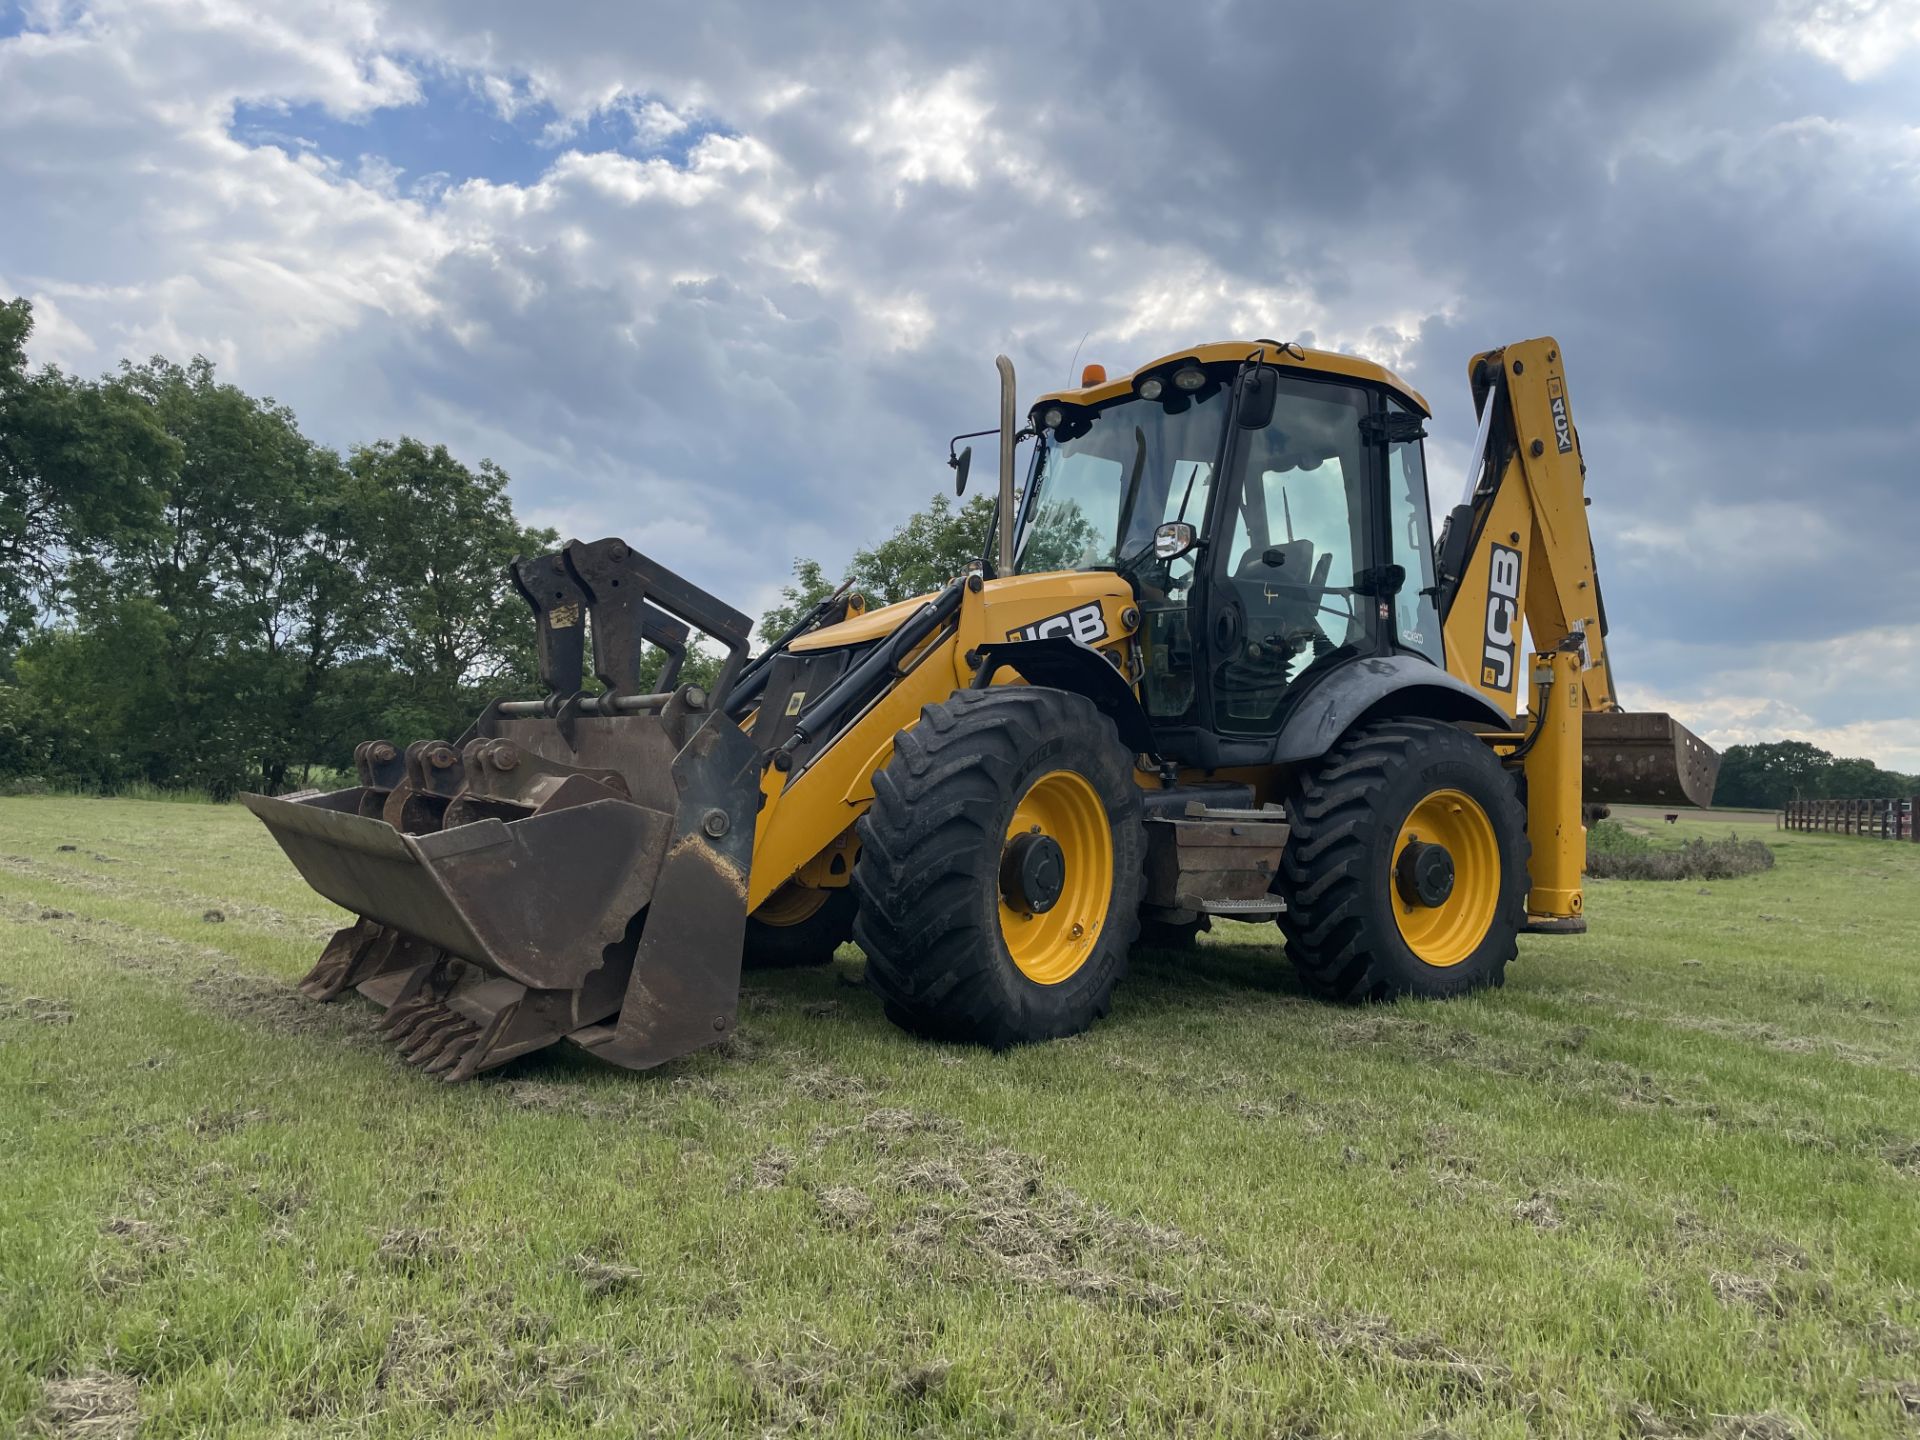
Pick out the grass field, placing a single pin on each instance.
(1666, 1182)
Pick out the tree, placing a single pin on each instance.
(80, 465)
(1854, 778)
(1768, 775)
(194, 593)
(933, 546)
(807, 589)
(252, 615)
(439, 538)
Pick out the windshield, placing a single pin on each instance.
(1106, 478)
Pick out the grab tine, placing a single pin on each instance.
(453, 1052)
(438, 1026)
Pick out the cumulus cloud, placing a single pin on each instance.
(722, 278)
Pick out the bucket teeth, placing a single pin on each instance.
(345, 953)
(430, 1039)
(409, 1024)
(409, 1008)
(395, 1017)
(453, 1051)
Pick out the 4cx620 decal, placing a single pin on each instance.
(1562, 426)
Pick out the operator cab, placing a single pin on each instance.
(1301, 476)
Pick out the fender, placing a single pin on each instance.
(1061, 663)
(1388, 685)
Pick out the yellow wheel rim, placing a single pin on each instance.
(790, 905)
(1050, 946)
(1445, 934)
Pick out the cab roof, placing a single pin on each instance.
(1282, 355)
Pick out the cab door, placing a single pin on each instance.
(1290, 533)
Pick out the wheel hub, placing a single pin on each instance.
(1033, 872)
(1424, 874)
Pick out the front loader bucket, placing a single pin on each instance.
(1645, 757)
(552, 901)
(575, 867)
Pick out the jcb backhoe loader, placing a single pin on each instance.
(1210, 665)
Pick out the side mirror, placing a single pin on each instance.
(1174, 539)
(960, 464)
(1259, 387)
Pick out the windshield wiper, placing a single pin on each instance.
(1192, 476)
(1133, 480)
(1125, 567)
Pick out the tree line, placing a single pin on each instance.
(193, 593)
(1766, 776)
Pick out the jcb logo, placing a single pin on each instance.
(1503, 619)
(1562, 426)
(1085, 623)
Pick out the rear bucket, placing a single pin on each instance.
(1645, 757)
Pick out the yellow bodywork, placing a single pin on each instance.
(1531, 570)
(1554, 822)
(805, 827)
(810, 810)
(1533, 558)
(1283, 356)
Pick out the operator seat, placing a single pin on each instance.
(1278, 605)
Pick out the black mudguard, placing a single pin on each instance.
(1382, 685)
(1060, 663)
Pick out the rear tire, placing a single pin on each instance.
(809, 937)
(965, 802)
(1354, 929)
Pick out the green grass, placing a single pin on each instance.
(1667, 1181)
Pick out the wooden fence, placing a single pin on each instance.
(1892, 819)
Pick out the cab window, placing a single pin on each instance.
(1296, 538)
(1410, 534)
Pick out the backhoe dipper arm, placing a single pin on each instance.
(1516, 563)
(1517, 547)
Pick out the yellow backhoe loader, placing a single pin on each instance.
(1211, 664)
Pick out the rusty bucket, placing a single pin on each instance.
(1645, 757)
(522, 899)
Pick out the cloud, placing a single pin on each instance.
(1790, 690)
(723, 278)
(1860, 38)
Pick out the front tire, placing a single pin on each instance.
(1000, 868)
(1405, 871)
(798, 927)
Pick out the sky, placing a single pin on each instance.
(722, 278)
